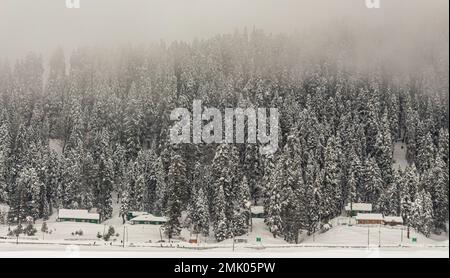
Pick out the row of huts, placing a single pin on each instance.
(361, 211)
(133, 217)
(364, 216)
(81, 215)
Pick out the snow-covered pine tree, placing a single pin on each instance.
(52, 179)
(124, 203)
(140, 191)
(252, 169)
(105, 177)
(4, 157)
(356, 170)
(332, 184)
(269, 169)
(422, 213)
(88, 180)
(411, 180)
(352, 190)
(69, 193)
(425, 153)
(411, 124)
(373, 183)
(438, 188)
(396, 193)
(161, 187)
(372, 124)
(74, 125)
(221, 230)
(393, 111)
(309, 198)
(27, 196)
(226, 178)
(383, 151)
(132, 124)
(277, 199)
(199, 213)
(119, 160)
(176, 181)
(242, 203)
(443, 143)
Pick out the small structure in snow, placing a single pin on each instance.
(148, 219)
(132, 214)
(78, 215)
(257, 212)
(353, 209)
(369, 218)
(393, 220)
(240, 240)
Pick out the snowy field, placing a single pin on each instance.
(72, 251)
(142, 241)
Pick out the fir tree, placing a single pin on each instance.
(275, 206)
(438, 187)
(422, 213)
(4, 157)
(199, 214)
(332, 184)
(425, 153)
(105, 178)
(383, 151)
(176, 181)
(221, 230)
(372, 181)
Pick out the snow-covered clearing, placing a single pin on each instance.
(71, 251)
(400, 156)
(142, 241)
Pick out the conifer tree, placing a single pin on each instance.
(105, 177)
(332, 183)
(438, 187)
(383, 151)
(425, 153)
(372, 181)
(221, 231)
(422, 213)
(176, 181)
(277, 199)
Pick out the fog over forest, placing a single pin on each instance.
(397, 32)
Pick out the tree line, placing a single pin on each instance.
(83, 128)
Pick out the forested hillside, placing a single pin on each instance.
(110, 108)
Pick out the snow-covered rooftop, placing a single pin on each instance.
(77, 214)
(369, 216)
(359, 207)
(149, 217)
(257, 209)
(395, 219)
(137, 213)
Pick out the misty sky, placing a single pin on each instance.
(43, 25)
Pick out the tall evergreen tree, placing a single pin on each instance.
(176, 181)
(422, 213)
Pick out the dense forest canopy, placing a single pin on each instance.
(340, 116)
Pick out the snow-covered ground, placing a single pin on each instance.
(400, 156)
(342, 240)
(141, 241)
(61, 232)
(372, 235)
(72, 251)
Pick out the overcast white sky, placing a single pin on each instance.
(43, 25)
